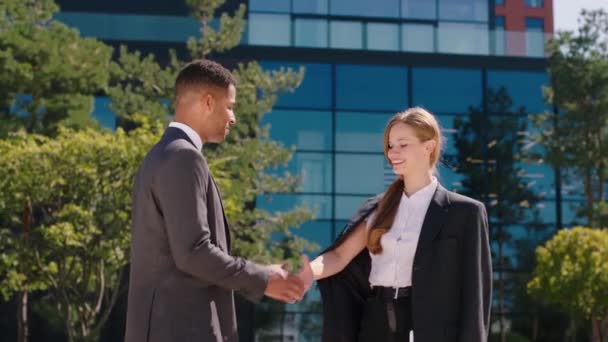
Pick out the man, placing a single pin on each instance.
(182, 274)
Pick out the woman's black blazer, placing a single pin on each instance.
(451, 277)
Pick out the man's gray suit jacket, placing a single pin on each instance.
(182, 274)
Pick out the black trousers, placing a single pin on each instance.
(377, 325)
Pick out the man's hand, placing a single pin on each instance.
(278, 269)
(289, 289)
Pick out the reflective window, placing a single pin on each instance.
(463, 38)
(315, 170)
(534, 3)
(310, 6)
(346, 34)
(347, 206)
(315, 85)
(269, 6)
(535, 37)
(316, 232)
(499, 36)
(499, 2)
(377, 8)
(311, 33)
(359, 174)
(418, 37)
(524, 88)
(419, 9)
(447, 90)
(570, 213)
(307, 130)
(103, 114)
(131, 27)
(448, 176)
(319, 204)
(382, 37)
(360, 132)
(362, 87)
(468, 10)
(447, 130)
(538, 177)
(269, 29)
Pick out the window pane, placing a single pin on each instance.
(359, 174)
(377, 8)
(319, 204)
(131, 27)
(347, 206)
(538, 177)
(463, 38)
(315, 85)
(419, 9)
(434, 89)
(535, 37)
(315, 231)
(524, 88)
(315, 170)
(382, 37)
(360, 132)
(448, 177)
(307, 130)
(269, 29)
(269, 6)
(470, 10)
(534, 3)
(446, 122)
(418, 37)
(499, 2)
(362, 87)
(346, 34)
(311, 33)
(103, 114)
(310, 6)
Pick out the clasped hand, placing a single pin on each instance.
(286, 287)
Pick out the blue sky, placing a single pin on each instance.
(566, 12)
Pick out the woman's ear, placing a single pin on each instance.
(430, 146)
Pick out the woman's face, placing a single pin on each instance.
(406, 153)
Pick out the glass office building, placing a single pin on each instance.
(365, 61)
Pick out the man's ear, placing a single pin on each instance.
(208, 102)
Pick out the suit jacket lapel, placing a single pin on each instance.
(227, 231)
(434, 220)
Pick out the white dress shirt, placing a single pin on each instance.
(393, 266)
(194, 137)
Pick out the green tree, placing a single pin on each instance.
(39, 202)
(48, 73)
(490, 153)
(576, 138)
(141, 85)
(571, 275)
(65, 205)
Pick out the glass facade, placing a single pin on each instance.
(335, 120)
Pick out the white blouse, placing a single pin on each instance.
(393, 266)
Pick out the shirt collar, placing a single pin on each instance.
(423, 195)
(194, 137)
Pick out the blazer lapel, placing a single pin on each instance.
(434, 220)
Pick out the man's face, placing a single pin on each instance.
(222, 116)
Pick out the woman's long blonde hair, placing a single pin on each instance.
(427, 128)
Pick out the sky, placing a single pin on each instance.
(566, 12)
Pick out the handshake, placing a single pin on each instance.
(286, 287)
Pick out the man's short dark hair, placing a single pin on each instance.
(203, 72)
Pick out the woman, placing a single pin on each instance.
(414, 258)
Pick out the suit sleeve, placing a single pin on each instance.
(477, 287)
(182, 194)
